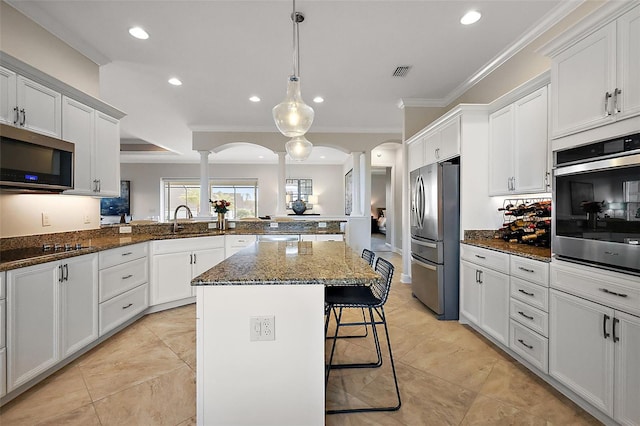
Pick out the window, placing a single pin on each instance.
(298, 189)
(242, 193)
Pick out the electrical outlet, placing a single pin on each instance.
(322, 224)
(125, 229)
(262, 328)
(86, 218)
(232, 225)
(45, 219)
(273, 224)
(212, 225)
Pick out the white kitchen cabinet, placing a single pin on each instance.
(29, 105)
(3, 324)
(51, 311)
(97, 149)
(447, 145)
(485, 292)
(593, 347)
(594, 77)
(518, 146)
(174, 263)
(415, 153)
(322, 237)
(235, 243)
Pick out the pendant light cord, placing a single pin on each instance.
(296, 42)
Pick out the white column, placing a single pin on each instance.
(204, 185)
(281, 209)
(406, 221)
(357, 178)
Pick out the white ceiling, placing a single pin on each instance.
(226, 51)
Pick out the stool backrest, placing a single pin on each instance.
(381, 288)
(368, 255)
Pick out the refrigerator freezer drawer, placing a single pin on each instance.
(432, 251)
(425, 284)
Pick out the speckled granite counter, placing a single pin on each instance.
(19, 252)
(303, 262)
(524, 250)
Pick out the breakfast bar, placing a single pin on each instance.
(260, 331)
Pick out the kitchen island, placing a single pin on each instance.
(243, 381)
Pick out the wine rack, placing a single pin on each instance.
(527, 221)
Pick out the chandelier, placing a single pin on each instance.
(292, 116)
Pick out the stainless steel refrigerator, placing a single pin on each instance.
(435, 237)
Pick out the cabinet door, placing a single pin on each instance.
(79, 303)
(449, 140)
(415, 154)
(78, 127)
(628, 63)
(107, 158)
(40, 107)
(8, 97)
(469, 292)
(203, 260)
(627, 378)
(581, 77)
(494, 304)
(32, 322)
(501, 151)
(531, 142)
(581, 348)
(432, 143)
(171, 277)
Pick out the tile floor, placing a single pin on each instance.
(448, 374)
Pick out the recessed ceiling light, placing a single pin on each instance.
(174, 81)
(470, 17)
(318, 99)
(254, 99)
(138, 32)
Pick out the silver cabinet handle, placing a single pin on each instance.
(480, 274)
(127, 253)
(24, 117)
(128, 306)
(195, 258)
(191, 259)
(615, 100)
(15, 121)
(66, 272)
(523, 343)
(480, 257)
(524, 292)
(60, 274)
(613, 293)
(126, 277)
(606, 104)
(525, 269)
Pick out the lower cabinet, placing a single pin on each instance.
(123, 307)
(593, 348)
(51, 312)
(322, 237)
(175, 262)
(235, 243)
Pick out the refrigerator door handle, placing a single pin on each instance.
(425, 265)
(425, 244)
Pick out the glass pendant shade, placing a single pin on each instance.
(299, 148)
(292, 116)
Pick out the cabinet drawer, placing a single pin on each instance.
(329, 237)
(489, 258)
(120, 255)
(529, 293)
(240, 240)
(530, 270)
(529, 345)
(529, 316)
(613, 289)
(187, 244)
(123, 307)
(120, 278)
(3, 323)
(3, 372)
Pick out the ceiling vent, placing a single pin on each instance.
(401, 71)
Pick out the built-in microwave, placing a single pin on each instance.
(33, 162)
(596, 204)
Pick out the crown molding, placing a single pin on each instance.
(421, 102)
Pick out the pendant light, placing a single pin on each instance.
(292, 116)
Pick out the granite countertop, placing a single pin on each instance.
(18, 257)
(542, 254)
(304, 262)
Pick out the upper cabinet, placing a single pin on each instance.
(518, 146)
(29, 105)
(440, 141)
(594, 72)
(415, 153)
(97, 155)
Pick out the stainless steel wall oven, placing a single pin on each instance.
(596, 208)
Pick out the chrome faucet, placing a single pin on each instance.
(176, 227)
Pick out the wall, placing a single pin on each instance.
(146, 184)
(25, 40)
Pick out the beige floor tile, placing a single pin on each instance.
(83, 416)
(63, 392)
(490, 412)
(165, 400)
(129, 358)
(515, 385)
(191, 421)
